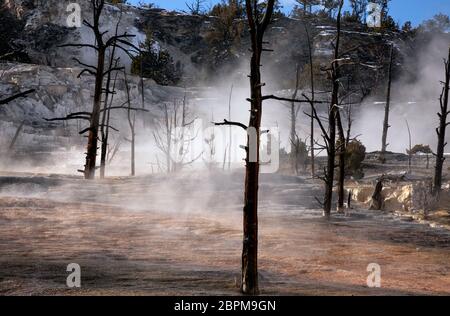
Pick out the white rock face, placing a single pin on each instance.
(52, 12)
(59, 92)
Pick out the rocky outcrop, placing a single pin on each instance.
(412, 197)
(59, 92)
(187, 38)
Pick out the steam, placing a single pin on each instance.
(413, 99)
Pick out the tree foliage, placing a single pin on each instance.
(156, 63)
(355, 154)
(440, 23)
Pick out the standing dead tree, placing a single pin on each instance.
(172, 137)
(210, 141)
(101, 46)
(386, 125)
(131, 116)
(329, 134)
(259, 16)
(409, 151)
(377, 196)
(294, 110)
(334, 121)
(106, 118)
(440, 158)
(311, 64)
(335, 76)
(258, 22)
(230, 134)
(109, 94)
(258, 27)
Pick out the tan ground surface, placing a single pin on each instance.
(183, 237)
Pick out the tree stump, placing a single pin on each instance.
(377, 197)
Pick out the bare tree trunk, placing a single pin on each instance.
(230, 131)
(377, 197)
(105, 128)
(250, 244)
(133, 149)
(91, 155)
(349, 125)
(386, 125)
(313, 166)
(16, 135)
(341, 150)
(168, 125)
(294, 113)
(132, 124)
(333, 118)
(410, 147)
(101, 45)
(440, 158)
(106, 114)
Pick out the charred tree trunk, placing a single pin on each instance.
(107, 112)
(440, 158)
(333, 116)
(91, 154)
(377, 197)
(106, 127)
(341, 150)
(386, 125)
(250, 244)
(101, 45)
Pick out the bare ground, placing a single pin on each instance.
(154, 236)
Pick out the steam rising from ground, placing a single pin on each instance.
(413, 99)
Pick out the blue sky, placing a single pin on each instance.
(402, 10)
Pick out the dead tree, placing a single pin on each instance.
(210, 142)
(377, 196)
(230, 129)
(386, 125)
(258, 27)
(101, 46)
(170, 135)
(333, 120)
(349, 124)
(106, 116)
(440, 152)
(294, 110)
(131, 115)
(409, 151)
(258, 22)
(313, 165)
